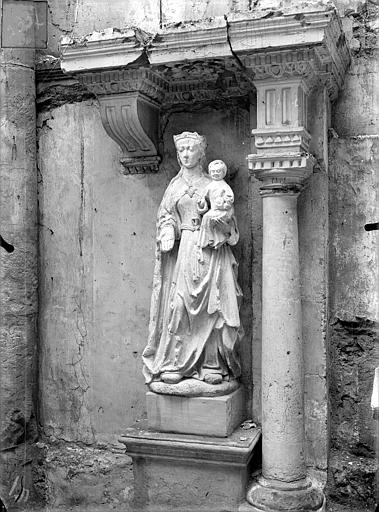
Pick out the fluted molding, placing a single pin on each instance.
(129, 107)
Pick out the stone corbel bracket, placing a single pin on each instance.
(129, 106)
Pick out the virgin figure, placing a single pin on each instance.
(194, 326)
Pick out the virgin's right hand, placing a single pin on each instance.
(167, 243)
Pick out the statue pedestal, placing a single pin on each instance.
(210, 416)
(189, 473)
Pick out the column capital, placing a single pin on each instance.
(282, 161)
(281, 173)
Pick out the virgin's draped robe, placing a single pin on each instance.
(194, 318)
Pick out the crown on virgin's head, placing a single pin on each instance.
(200, 139)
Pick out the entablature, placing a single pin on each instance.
(135, 75)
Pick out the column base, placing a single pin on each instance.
(189, 473)
(274, 496)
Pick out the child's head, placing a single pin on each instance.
(217, 170)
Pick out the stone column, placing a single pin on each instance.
(18, 273)
(283, 164)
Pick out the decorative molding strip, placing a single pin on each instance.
(119, 81)
(140, 165)
(283, 64)
(296, 140)
(317, 34)
(197, 90)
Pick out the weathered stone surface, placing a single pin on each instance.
(74, 476)
(213, 471)
(313, 241)
(18, 272)
(80, 19)
(210, 416)
(352, 479)
(353, 194)
(93, 310)
(353, 324)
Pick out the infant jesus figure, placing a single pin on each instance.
(217, 206)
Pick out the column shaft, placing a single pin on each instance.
(18, 272)
(282, 359)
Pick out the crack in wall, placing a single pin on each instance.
(82, 199)
(249, 75)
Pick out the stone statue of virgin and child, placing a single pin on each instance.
(195, 326)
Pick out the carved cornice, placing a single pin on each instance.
(266, 46)
(198, 90)
(117, 81)
(209, 62)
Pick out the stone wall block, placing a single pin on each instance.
(353, 203)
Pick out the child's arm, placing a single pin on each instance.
(202, 204)
(228, 198)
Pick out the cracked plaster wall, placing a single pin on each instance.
(97, 250)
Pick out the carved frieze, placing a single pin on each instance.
(120, 81)
(296, 139)
(283, 64)
(200, 90)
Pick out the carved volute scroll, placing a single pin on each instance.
(129, 107)
(131, 120)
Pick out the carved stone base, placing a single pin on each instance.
(275, 496)
(213, 416)
(194, 387)
(176, 472)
